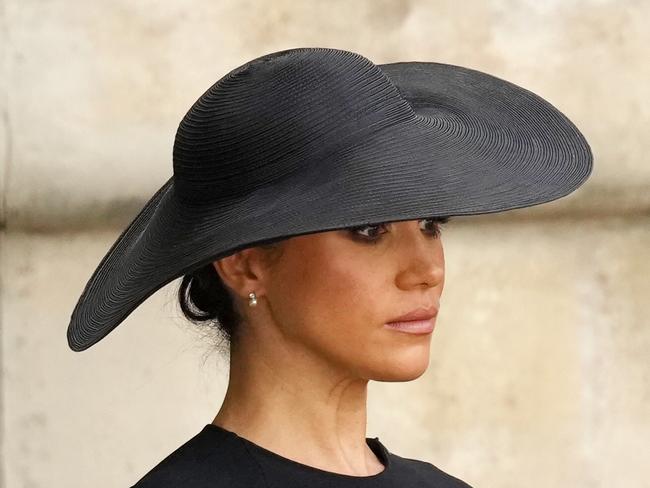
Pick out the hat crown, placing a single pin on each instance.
(278, 115)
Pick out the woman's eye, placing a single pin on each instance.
(370, 232)
(373, 228)
(436, 225)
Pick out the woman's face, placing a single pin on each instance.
(331, 293)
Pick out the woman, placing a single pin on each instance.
(304, 214)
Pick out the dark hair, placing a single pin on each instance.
(206, 300)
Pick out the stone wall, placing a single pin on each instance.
(539, 373)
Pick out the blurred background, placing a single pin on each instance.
(540, 362)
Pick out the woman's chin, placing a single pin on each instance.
(403, 368)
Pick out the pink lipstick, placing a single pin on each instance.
(418, 321)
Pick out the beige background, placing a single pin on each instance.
(540, 369)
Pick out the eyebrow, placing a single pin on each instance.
(442, 219)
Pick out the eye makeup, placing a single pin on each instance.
(434, 231)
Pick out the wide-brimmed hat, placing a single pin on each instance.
(314, 139)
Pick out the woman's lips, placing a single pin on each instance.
(418, 321)
(413, 326)
(422, 313)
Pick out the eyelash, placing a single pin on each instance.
(439, 221)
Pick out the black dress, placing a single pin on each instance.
(219, 458)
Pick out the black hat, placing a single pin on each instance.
(315, 139)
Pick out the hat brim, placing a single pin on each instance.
(478, 144)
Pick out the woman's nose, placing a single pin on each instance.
(421, 262)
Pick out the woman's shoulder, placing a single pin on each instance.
(213, 458)
(209, 458)
(427, 473)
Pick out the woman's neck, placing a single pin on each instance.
(300, 407)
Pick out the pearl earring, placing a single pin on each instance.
(252, 299)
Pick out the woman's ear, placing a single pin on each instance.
(245, 270)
